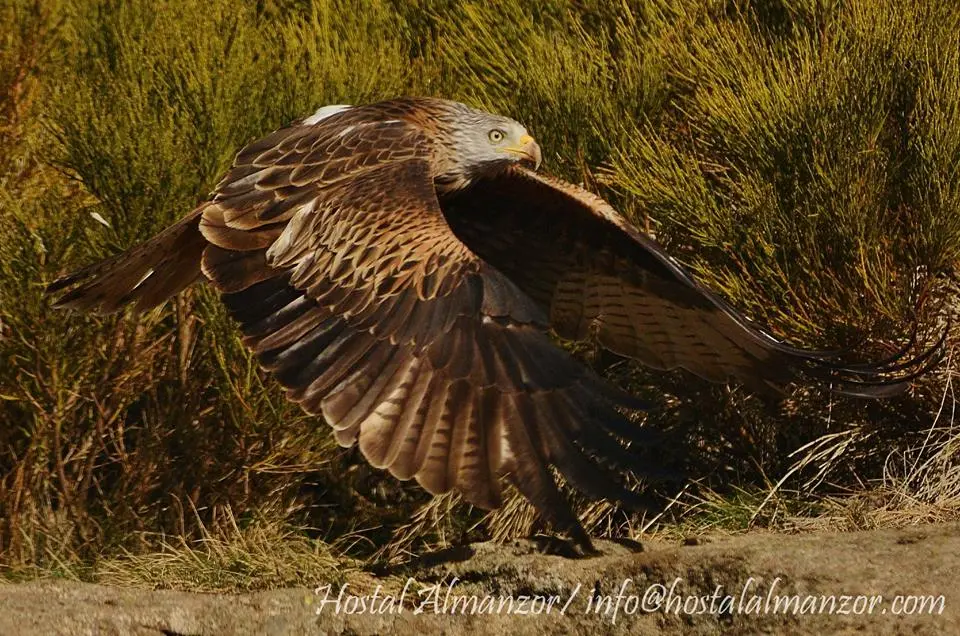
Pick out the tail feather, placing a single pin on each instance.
(145, 275)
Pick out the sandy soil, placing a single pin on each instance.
(758, 583)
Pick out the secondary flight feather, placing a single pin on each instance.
(399, 267)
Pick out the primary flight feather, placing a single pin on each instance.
(398, 268)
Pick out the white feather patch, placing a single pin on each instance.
(143, 279)
(325, 112)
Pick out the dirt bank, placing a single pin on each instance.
(733, 584)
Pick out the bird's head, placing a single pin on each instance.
(482, 144)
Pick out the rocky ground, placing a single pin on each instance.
(884, 581)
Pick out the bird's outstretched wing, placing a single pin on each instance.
(598, 277)
(332, 252)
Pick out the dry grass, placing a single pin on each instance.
(263, 554)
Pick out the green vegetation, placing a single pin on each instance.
(801, 156)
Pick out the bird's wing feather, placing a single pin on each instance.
(599, 277)
(354, 292)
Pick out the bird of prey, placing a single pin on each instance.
(400, 269)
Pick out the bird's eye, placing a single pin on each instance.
(496, 135)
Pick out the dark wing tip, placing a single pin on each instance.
(882, 378)
(62, 283)
(69, 291)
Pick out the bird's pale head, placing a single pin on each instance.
(480, 144)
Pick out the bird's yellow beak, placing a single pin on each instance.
(528, 150)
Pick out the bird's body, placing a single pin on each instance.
(398, 267)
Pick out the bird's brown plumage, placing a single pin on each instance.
(406, 295)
